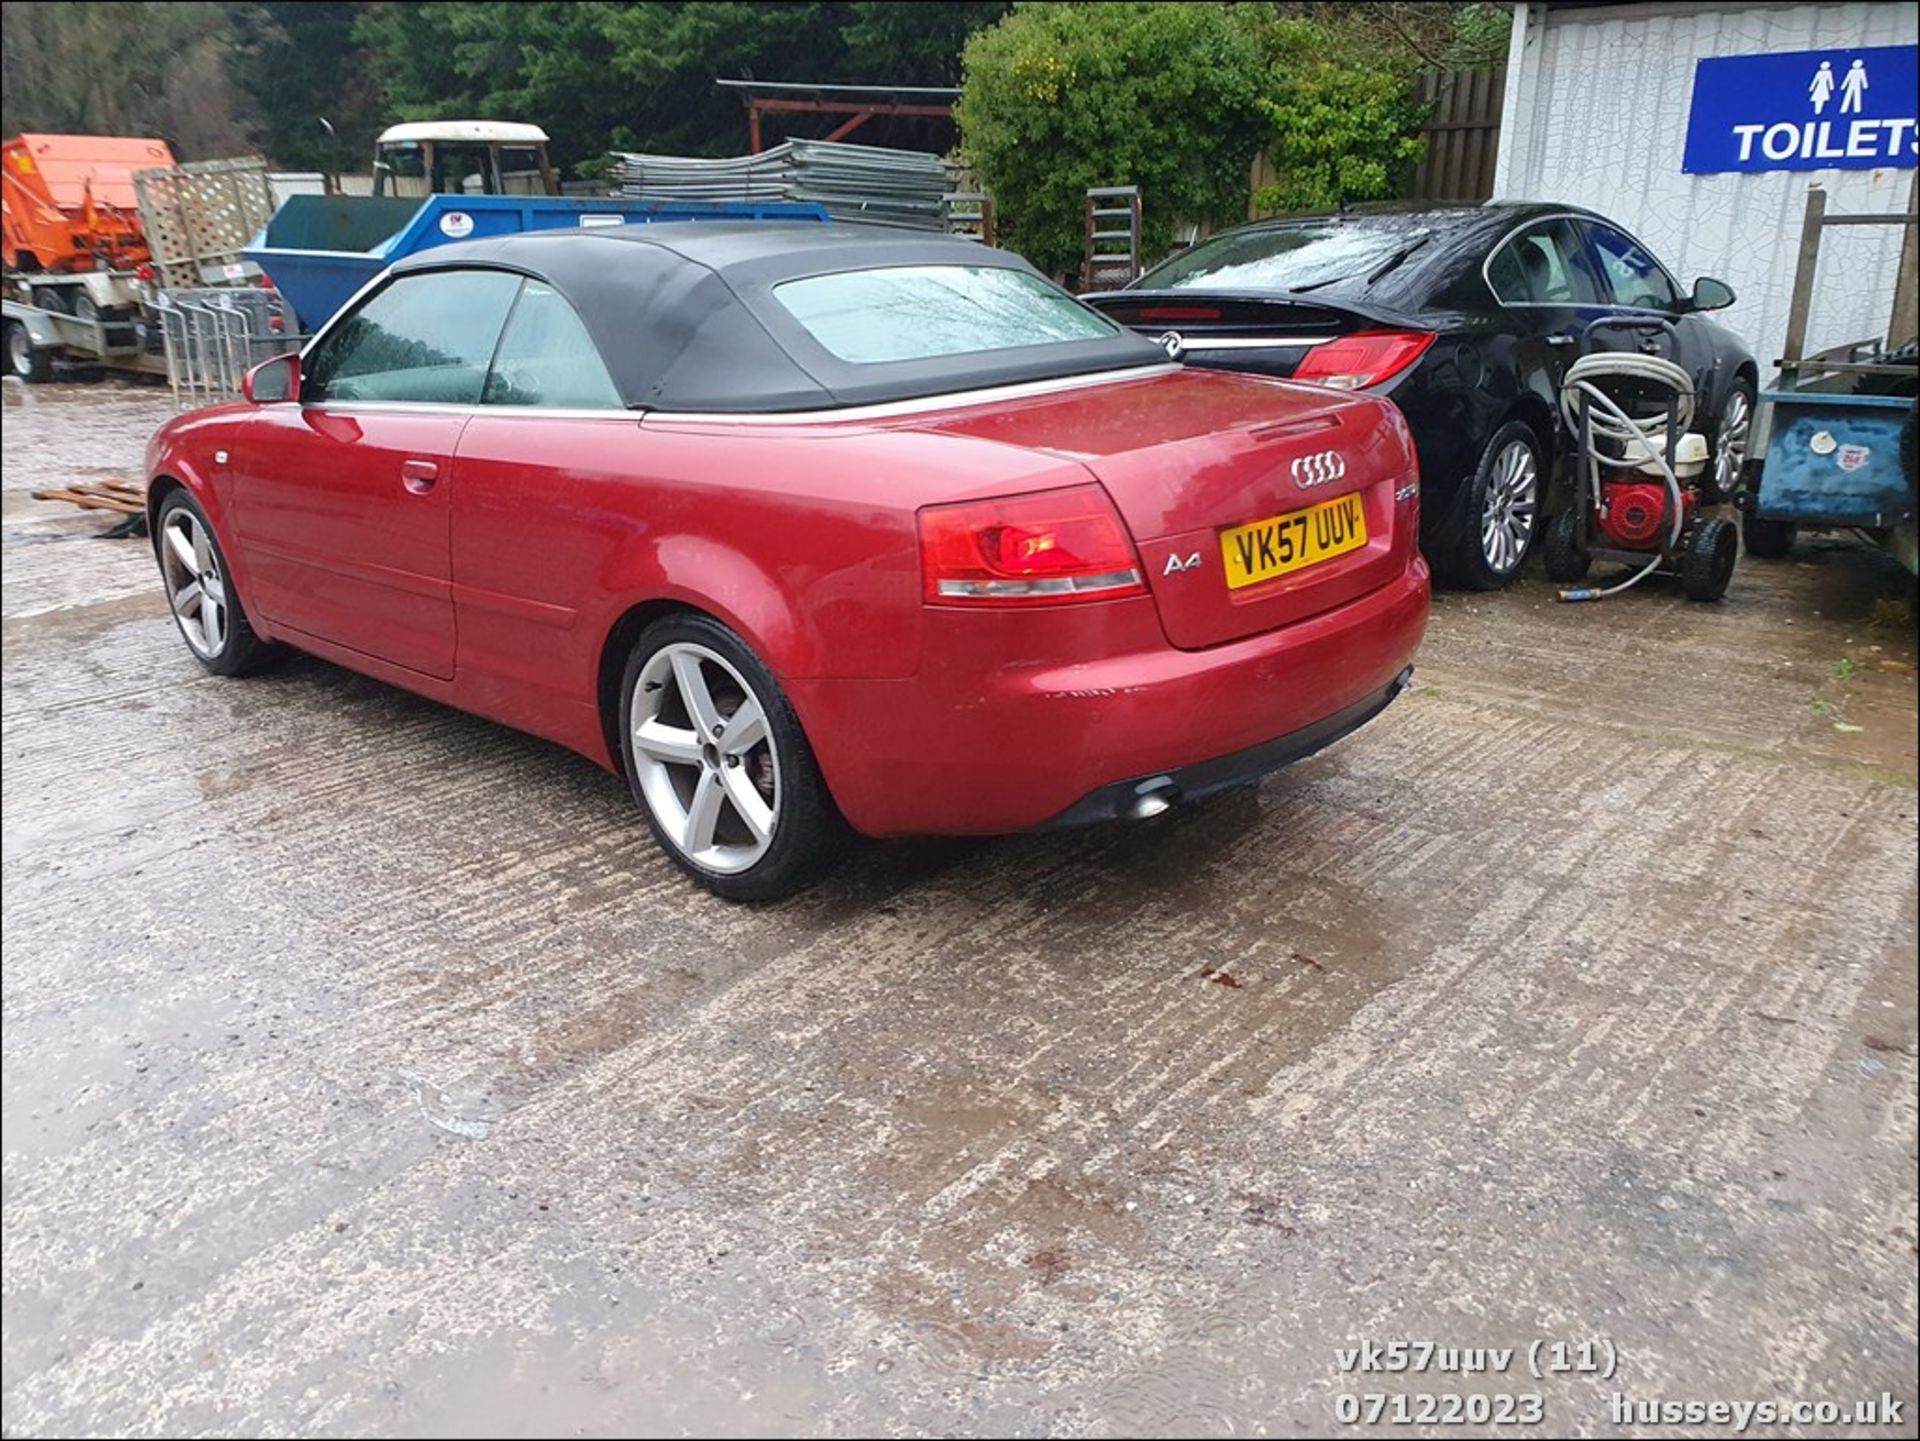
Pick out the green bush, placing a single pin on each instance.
(1061, 97)
(1178, 99)
(1340, 126)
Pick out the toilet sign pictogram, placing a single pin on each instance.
(1805, 110)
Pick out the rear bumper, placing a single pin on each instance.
(1149, 795)
(995, 734)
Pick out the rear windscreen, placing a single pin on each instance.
(1286, 258)
(920, 312)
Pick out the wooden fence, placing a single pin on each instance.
(1462, 133)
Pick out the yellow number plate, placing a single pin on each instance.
(1269, 548)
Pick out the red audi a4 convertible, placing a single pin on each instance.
(804, 527)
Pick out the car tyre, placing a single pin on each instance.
(1707, 566)
(1768, 539)
(1565, 549)
(1484, 536)
(1732, 433)
(719, 764)
(201, 591)
(30, 363)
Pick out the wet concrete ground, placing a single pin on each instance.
(367, 1071)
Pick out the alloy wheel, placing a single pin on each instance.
(195, 587)
(705, 758)
(1730, 448)
(1513, 502)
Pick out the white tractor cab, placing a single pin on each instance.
(462, 157)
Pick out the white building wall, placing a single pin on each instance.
(1596, 115)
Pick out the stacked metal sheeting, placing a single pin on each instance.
(851, 182)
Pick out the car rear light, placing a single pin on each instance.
(1367, 357)
(1180, 312)
(1051, 547)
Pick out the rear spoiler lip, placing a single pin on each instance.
(1378, 315)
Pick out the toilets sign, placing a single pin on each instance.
(1807, 110)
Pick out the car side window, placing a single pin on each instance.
(423, 338)
(1544, 264)
(546, 357)
(1633, 277)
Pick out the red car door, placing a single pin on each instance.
(343, 502)
(528, 543)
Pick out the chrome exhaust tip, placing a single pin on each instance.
(1153, 798)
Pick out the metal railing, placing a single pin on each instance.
(212, 338)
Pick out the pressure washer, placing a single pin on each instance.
(1637, 494)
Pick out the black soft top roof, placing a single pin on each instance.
(684, 314)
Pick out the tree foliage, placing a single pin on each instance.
(221, 78)
(316, 105)
(545, 62)
(600, 75)
(670, 56)
(1410, 35)
(1174, 98)
(1062, 97)
(1179, 98)
(119, 67)
(1340, 125)
(911, 43)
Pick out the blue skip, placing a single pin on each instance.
(318, 250)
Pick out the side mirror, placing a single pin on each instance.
(1710, 294)
(273, 380)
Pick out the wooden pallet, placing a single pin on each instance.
(111, 493)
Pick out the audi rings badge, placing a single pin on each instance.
(1323, 467)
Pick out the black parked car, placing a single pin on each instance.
(1467, 318)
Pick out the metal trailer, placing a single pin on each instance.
(202, 340)
(37, 334)
(197, 218)
(1837, 427)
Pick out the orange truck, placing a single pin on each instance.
(108, 241)
(75, 249)
(67, 203)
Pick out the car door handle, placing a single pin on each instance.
(419, 475)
